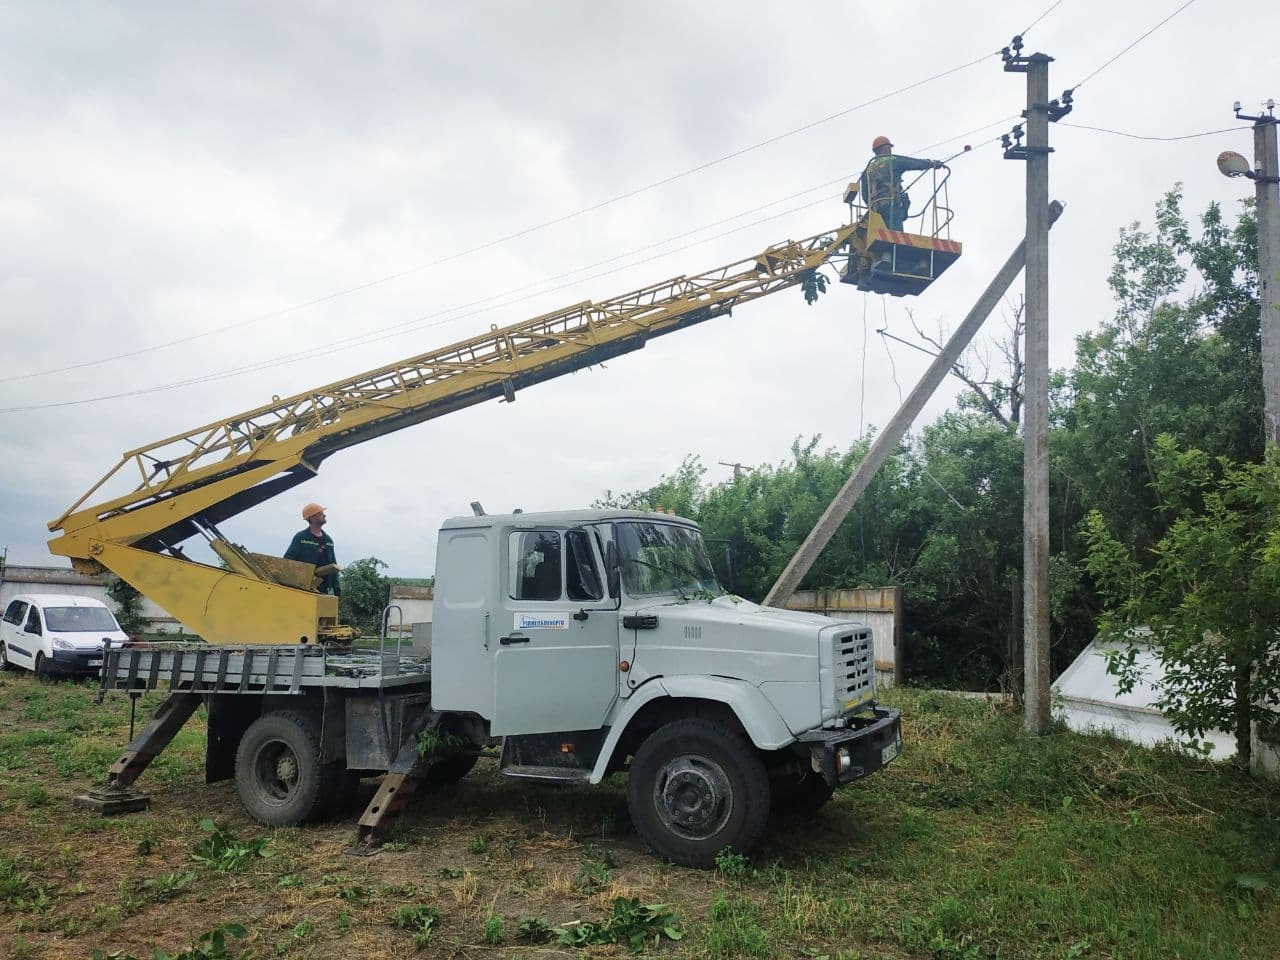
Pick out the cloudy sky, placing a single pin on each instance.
(207, 206)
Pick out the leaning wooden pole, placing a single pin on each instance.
(888, 439)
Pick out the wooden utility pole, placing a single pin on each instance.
(888, 438)
(1035, 425)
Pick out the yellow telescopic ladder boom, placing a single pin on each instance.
(188, 483)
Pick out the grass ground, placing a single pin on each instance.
(977, 842)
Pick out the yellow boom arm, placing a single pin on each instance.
(186, 484)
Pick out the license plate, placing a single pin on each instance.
(95, 663)
(888, 753)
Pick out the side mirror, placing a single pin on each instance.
(612, 569)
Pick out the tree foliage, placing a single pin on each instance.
(364, 594)
(1209, 592)
(943, 518)
(128, 606)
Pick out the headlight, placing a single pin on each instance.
(60, 644)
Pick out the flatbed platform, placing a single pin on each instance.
(256, 670)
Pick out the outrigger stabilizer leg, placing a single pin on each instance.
(116, 796)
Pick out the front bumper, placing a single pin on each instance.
(76, 663)
(866, 745)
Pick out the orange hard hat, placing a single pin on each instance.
(879, 142)
(310, 510)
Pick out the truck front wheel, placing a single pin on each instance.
(279, 777)
(696, 789)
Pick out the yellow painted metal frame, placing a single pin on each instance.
(184, 475)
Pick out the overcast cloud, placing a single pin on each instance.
(199, 173)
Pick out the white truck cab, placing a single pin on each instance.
(587, 639)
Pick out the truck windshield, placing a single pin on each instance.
(78, 619)
(664, 558)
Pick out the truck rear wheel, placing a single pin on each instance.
(696, 789)
(279, 776)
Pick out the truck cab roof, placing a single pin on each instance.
(562, 518)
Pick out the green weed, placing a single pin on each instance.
(494, 929)
(633, 925)
(221, 850)
(210, 945)
(734, 929)
(731, 864)
(418, 919)
(535, 929)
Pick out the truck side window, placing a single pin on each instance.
(535, 565)
(581, 575)
(33, 621)
(14, 613)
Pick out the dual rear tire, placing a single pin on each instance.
(280, 778)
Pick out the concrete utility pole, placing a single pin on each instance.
(1265, 755)
(1035, 424)
(1266, 179)
(888, 438)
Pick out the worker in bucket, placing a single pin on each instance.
(315, 547)
(881, 182)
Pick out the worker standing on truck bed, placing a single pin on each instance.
(315, 547)
(881, 182)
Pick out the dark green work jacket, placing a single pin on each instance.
(306, 547)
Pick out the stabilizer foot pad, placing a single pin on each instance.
(110, 803)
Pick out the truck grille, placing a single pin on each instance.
(853, 659)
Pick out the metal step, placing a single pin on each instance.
(543, 774)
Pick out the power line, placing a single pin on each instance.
(1028, 27)
(1132, 45)
(1135, 136)
(442, 317)
(393, 332)
(519, 234)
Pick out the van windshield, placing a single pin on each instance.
(664, 558)
(78, 619)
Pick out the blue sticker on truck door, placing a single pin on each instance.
(542, 621)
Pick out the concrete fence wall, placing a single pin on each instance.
(16, 579)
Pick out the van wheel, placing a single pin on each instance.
(41, 668)
(4, 656)
(279, 777)
(696, 789)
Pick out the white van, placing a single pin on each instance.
(57, 635)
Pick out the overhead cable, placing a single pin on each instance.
(1104, 66)
(518, 234)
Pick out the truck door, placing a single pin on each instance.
(556, 639)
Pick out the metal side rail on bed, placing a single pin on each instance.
(198, 668)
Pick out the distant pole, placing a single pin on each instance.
(1266, 179)
(1265, 759)
(1035, 424)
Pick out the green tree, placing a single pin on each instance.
(128, 606)
(1188, 368)
(681, 491)
(364, 594)
(1209, 592)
